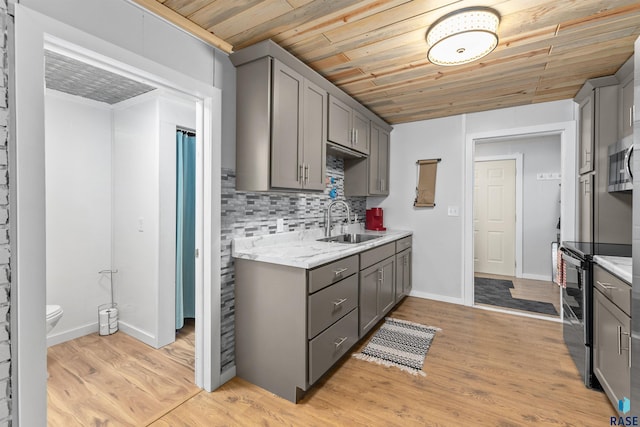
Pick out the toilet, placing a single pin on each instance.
(54, 313)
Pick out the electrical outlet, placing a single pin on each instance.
(452, 211)
(279, 225)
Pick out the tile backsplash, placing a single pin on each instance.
(246, 214)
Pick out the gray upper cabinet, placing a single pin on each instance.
(348, 127)
(379, 162)
(603, 216)
(585, 137)
(287, 154)
(370, 176)
(626, 110)
(285, 115)
(281, 129)
(314, 136)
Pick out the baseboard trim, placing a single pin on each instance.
(518, 313)
(228, 375)
(437, 297)
(138, 334)
(72, 334)
(541, 277)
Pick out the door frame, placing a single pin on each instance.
(32, 31)
(568, 195)
(519, 201)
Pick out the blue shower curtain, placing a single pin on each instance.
(185, 227)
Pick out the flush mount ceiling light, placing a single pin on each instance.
(463, 36)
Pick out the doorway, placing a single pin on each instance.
(538, 219)
(32, 33)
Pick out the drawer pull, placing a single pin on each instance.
(340, 271)
(337, 304)
(340, 342)
(605, 285)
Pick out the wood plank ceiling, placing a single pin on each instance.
(375, 50)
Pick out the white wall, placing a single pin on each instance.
(135, 214)
(437, 254)
(439, 239)
(78, 210)
(541, 198)
(144, 222)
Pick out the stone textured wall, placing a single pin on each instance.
(5, 270)
(253, 214)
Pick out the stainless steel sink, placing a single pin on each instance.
(351, 238)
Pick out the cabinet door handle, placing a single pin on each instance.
(381, 275)
(339, 342)
(356, 138)
(300, 175)
(620, 334)
(306, 173)
(340, 271)
(619, 339)
(631, 116)
(339, 302)
(607, 286)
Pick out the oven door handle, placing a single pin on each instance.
(627, 161)
(571, 260)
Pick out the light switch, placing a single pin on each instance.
(141, 224)
(279, 225)
(452, 211)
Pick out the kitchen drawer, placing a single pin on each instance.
(613, 288)
(326, 275)
(332, 303)
(403, 244)
(376, 255)
(329, 346)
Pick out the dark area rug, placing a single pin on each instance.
(497, 292)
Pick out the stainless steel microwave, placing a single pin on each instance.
(620, 165)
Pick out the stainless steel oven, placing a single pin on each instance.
(620, 165)
(577, 298)
(576, 306)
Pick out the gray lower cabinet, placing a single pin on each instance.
(403, 267)
(377, 285)
(293, 324)
(403, 273)
(612, 340)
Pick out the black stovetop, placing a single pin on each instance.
(587, 250)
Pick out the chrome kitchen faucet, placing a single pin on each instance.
(327, 226)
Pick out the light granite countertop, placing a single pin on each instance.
(301, 248)
(617, 265)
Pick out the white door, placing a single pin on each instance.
(494, 217)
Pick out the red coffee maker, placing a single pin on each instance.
(373, 220)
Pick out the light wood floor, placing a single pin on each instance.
(483, 369)
(533, 290)
(116, 380)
